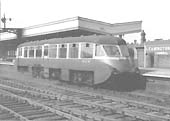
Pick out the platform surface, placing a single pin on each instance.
(6, 63)
(157, 72)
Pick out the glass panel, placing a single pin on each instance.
(73, 50)
(86, 50)
(111, 50)
(99, 51)
(39, 51)
(62, 51)
(20, 52)
(45, 50)
(31, 52)
(124, 50)
(52, 51)
(25, 52)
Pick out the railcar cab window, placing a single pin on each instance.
(99, 50)
(31, 52)
(46, 50)
(62, 51)
(86, 50)
(124, 50)
(73, 50)
(39, 51)
(25, 52)
(52, 51)
(111, 50)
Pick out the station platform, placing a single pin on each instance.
(156, 72)
(6, 63)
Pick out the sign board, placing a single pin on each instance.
(159, 49)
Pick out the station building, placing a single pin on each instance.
(157, 54)
(70, 27)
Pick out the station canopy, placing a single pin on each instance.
(75, 26)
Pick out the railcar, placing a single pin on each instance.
(99, 61)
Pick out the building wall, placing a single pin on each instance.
(140, 56)
(162, 61)
(158, 54)
(6, 46)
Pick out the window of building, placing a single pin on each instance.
(11, 53)
(46, 50)
(86, 50)
(39, 51)
(31, 52)
(25, 52)
(99, 50)
(73, 50)
(52, 51)
(62, 51)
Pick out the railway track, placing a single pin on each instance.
(17, 108)
(140, 95)
(90, 106)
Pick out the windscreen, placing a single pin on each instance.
(111, 50)
(124, 50)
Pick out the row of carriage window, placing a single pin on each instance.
(71, 50)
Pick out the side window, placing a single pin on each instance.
(17, 53)
(46, 50)
(73, 50)
(20, 52)
(39, 51)
(62, 51)
(86, 50)
(52, 51)
(31, 52)
(99, 50)
(25, 52)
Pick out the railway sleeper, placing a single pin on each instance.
(6, 117)
(53, 118)
(38, 112)
(7, 102)
(3, 112)
(44, 115)
(21, 109)
(30, 110)
(17, 105)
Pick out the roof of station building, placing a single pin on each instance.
(77, 26)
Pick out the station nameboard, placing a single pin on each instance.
(158, 49)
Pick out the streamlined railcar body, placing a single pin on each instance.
(90, 60)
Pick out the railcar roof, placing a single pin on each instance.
(106, 39)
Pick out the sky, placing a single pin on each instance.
(154, 14)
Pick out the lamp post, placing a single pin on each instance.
(4, 20)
